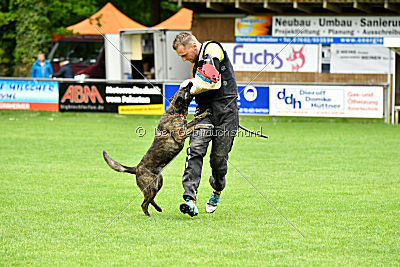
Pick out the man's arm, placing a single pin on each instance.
(33, 71)
(60, 73)
(209, 77)
(50, 68)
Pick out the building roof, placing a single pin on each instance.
(181, 20)
(108, 20)
(293, 7)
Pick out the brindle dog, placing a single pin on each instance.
(169, 140)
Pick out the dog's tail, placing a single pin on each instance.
(116, 166)
(252, 132)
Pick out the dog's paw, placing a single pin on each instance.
(205, 126)
(208, 112)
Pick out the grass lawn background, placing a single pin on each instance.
(337, 180)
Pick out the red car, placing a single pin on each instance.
(85, 54)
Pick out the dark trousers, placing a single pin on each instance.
(225, 120)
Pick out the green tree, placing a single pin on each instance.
(33, 33)
(26, 26)
(63, 13)
(36, 22)
(8, 16)
(139, 10)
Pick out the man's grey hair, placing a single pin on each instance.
(183, 38)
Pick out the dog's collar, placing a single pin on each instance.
(180, 115)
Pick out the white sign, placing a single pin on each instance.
(359, 59)
(327, 101)
(273, 57)
(365, 26)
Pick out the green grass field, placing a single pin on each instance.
(337, 180)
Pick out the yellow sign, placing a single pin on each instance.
(153, 109)
(253, 26)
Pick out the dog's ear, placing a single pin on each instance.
(187, 90)
(189, 86)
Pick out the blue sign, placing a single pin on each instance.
(308, 40)
(30, 91)
(252, 100)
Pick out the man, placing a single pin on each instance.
(65, 71)
(41, 68)
(214, 87)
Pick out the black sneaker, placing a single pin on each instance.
(189, 207)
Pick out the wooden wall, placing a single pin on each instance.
(218, 29)
(310, 77)
(223, 30)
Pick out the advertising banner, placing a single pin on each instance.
(29, 95)
(111, 97)
(327, 101)
(359, 59)
(252, 100)
(327, 30)
(273, 57)
(336, 26)
(253, 26)
(308, 40)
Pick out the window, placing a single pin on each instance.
(80, 54)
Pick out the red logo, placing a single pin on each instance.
(297, 59)
(79, 94)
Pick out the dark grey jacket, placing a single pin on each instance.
(65, 71)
